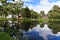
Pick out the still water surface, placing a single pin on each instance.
(43, 31)
(32, 30)
(38, 33)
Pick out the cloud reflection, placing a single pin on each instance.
(38, 33)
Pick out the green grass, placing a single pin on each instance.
(5, 36)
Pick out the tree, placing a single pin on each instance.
(18, 5)
(54, 13)
(5, 10)
(34, 15)
(3, 1)
(54, 25)
(26, 12)
(42, 13)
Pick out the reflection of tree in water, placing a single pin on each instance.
(13, 27)
(25, 25)
(54, 25)
(42, 23)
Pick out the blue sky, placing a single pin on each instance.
(53, 0)
(38, 5)
(33, 2)
(36, 2)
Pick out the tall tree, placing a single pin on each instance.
(26, 12)
(34, 14)
(54, 13)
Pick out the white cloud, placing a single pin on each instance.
(44, 5)
(43, 32)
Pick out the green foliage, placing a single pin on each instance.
(7, 9)
(26, 12)
(54, 25)
(25, 25)
(54, 13)
(54, 19)
(5, 36)
(35, 15)
(3, 1)
(42, 13)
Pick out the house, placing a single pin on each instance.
(44, 16)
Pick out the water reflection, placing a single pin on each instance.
(31, 30)
(38, 33)
(13, 27)
(54, 25)
(25, 25)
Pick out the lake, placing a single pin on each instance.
(32, 30)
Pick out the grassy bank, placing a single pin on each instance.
(5, 36)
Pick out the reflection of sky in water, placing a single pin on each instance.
(38, 33)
